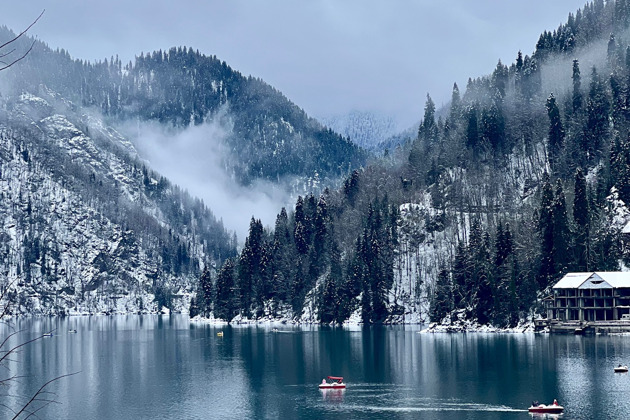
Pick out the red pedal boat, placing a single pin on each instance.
(554, 408)
(336, 383)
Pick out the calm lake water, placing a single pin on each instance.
(162, 367)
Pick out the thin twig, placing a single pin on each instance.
(40, 391)
(23, 344)
(15, 61)
(23, 32)
(19, 59)
(11, 378)
(3, 405)
(7, 53)
(8, 337)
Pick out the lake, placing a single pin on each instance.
(164, 367)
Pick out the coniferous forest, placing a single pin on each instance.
(270, 137)
(520, 179)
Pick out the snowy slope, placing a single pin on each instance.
(82, 226)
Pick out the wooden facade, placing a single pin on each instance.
(595, 296)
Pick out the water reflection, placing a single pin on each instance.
(537, 416)
(586, 375)
(332, 395)
(163, 367)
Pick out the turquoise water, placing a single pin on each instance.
(162, 367)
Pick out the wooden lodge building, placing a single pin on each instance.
(590, 302)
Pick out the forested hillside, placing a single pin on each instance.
(85, 226)
(268, 136)
(524, 178)
(88, 226)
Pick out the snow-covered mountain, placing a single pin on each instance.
(85, 226)
(88, 225)
(267, 137)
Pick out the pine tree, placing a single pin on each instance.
(456, 104)
(302, 230)
(518, 75)
(227, 303)
(485, 281)
(478, 273)
(597, 109)
(612, 51)
(503, 245)
(577, 88)
(561, 233)
(556, 131)
(353, 284)
(509, 282)
(441, 303)
(618, 106)
(351, 187)
(332, 301)
(194, 309)
(581, 218)
(282, 260)
(493, 127)
(472, 129)
(327, 300)
(547, 270)
(532, 81)
(320, 236)
(500, 78)
(428, 129)
(620, 167)
(462, 287)
(206, 292)
(250, 269)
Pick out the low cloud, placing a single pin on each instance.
(195, 159)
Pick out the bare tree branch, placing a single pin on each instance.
(7, 53)
(13, 349)
(42, 398)
(19, 59)
(6, 66)
(39, 392)
(23, 32)
(3, 405)
(9, 379)
(8, 337)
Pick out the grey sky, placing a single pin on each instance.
(327, 56)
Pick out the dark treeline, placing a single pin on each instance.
(276, 271)
(522, 186)
(267, 135)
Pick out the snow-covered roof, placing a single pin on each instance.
(594, 280)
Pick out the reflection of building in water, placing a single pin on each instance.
(333, 395)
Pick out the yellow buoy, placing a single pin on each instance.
(220, 334)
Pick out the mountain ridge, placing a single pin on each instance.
(272, 138)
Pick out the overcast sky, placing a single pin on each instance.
(327, 56)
